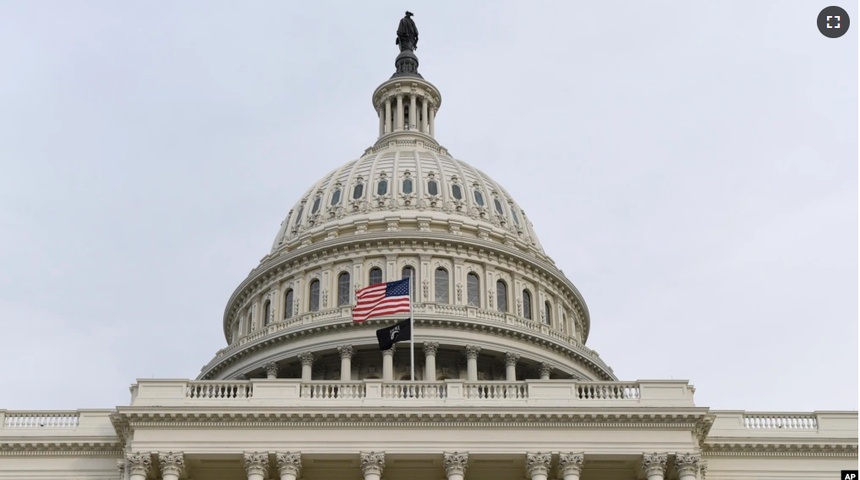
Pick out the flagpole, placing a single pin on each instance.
(411, 326)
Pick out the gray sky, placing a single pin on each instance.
(691, 166)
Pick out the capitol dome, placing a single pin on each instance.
(488, 302)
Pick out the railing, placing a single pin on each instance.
(42, 420)
(770, 421)
(219, 390)
(496, 390)
(607, 391)
(414, 390)
(344, 390)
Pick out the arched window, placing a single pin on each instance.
(563, 322)
(375, 276)
(501, 296)
(407, 272)
(514, 214)
(548, 312)
(314, 298)
(527, 304)
(316, 206)
(249, 325)
(473, 290)
(299, 215)
(407, 186)
(358, 191)
(267, 311)
(343, 289)
(457, 192)
(499, 209)
(479, 197)
(441, 285)
(335, 198)
(382, 187)
(432, 187)
(288, 303)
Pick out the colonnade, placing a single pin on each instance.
(539, 465)
(393, 115)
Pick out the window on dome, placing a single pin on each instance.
(457, 192)
(249, 326)
(316, 206)
(375, 276)
(382, 187)
(441, 285)
(548, 313)
(407, 272)
(432, 187)
(335, 198)
(501, 296)
(267, 311)
(299, 215)
(499, 209)
(343, 289)
(514, 214)
(314, 298)
(288, 304)
(527, 304)
(473, 290)
(358, 191)
(479, 198)
(407, 186)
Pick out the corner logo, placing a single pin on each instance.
(848, 475)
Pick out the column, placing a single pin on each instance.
(388, 364)
(398, 119)
(256, 465)
(388, 115)
(654, 465)
(537, 465)
(570, 465)
(430, 349)
(413, 112)
(472, 362)
(271, 369)
(138, 465)
(307, 360)
(455, 465)
(380, 112)
(544, 370)
(171, 465)
(289, 465)
(372, 465)
(345, 352)
(432, 120)
(703, 469)
(424, 123)
(687, 465)
(511, 360)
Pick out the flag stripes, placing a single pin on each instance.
(381, 299)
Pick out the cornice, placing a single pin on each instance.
(73, 448)
(787, 448)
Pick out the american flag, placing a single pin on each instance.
(381, 299)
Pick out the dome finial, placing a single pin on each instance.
(407, 37)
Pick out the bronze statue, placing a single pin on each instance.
(407, 34)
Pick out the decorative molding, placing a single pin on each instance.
(372, 462)
(687, 463)
(455, 463)
(289, 463)
(138, 463)
(538, 463)
(171, 463)
(571, 463)
(256, 463)
(654, 463)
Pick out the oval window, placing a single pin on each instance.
(358, 191)
(407, 186)
(382, 187)
(299, 215)
(514, 214)
(432, 187)
(316, 206)
(457, 192)
(335, 197)
(498, 204)
(479, 198)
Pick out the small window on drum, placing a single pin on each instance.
(316, 207)
(432, 187)
(299, 215)
(514, 214)
(499, 209)
(358, 191)
(382, 187)
(457, 192)
(335, 198)
(479, 198)
(407, 186)
(375, 276)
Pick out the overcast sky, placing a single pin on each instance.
(691, 166)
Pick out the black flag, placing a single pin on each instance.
(396, 333)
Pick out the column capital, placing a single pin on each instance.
(345, 351)
(306, 358)
(472, 351)
(511, 359)
(171, 463)
(654, 463)
(256, 463)
(455, 463)
(538, 463)
(373, 462)
(703, 469)
(687, 463)
(430, 348)
(271, 369)
(138, 463)
(545, 369)
(571, 463)
(390, 351)
(289, 462)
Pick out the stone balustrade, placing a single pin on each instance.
(731, 425)
(65, 423)
(70, 419)
(779, 420)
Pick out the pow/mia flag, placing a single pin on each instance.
(396, 333)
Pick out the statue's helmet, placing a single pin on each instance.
(408, 13)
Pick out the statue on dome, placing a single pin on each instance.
(407, 34)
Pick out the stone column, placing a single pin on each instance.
(472, 362)
(432, 120)
(345, 352)
(455, 465)
(138, 465)
(413, 112)
(511, 360)
(289, 465)
(388, 115)
(430, 349)
(654, 465)
(388, 364)
(256, 465)
(307, 360)
(537, 465)
(424, 123)
(398, 118)
(171, 465)
(544, 370)
(271, 369)
(687, 465)
(372, 465)
(703, 469)
(571, 465)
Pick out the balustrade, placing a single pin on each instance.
(792, 422)
(607, 391)
(220, 390)
(414, 390)
(42, 420)
(496, 390)
(345, 390)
